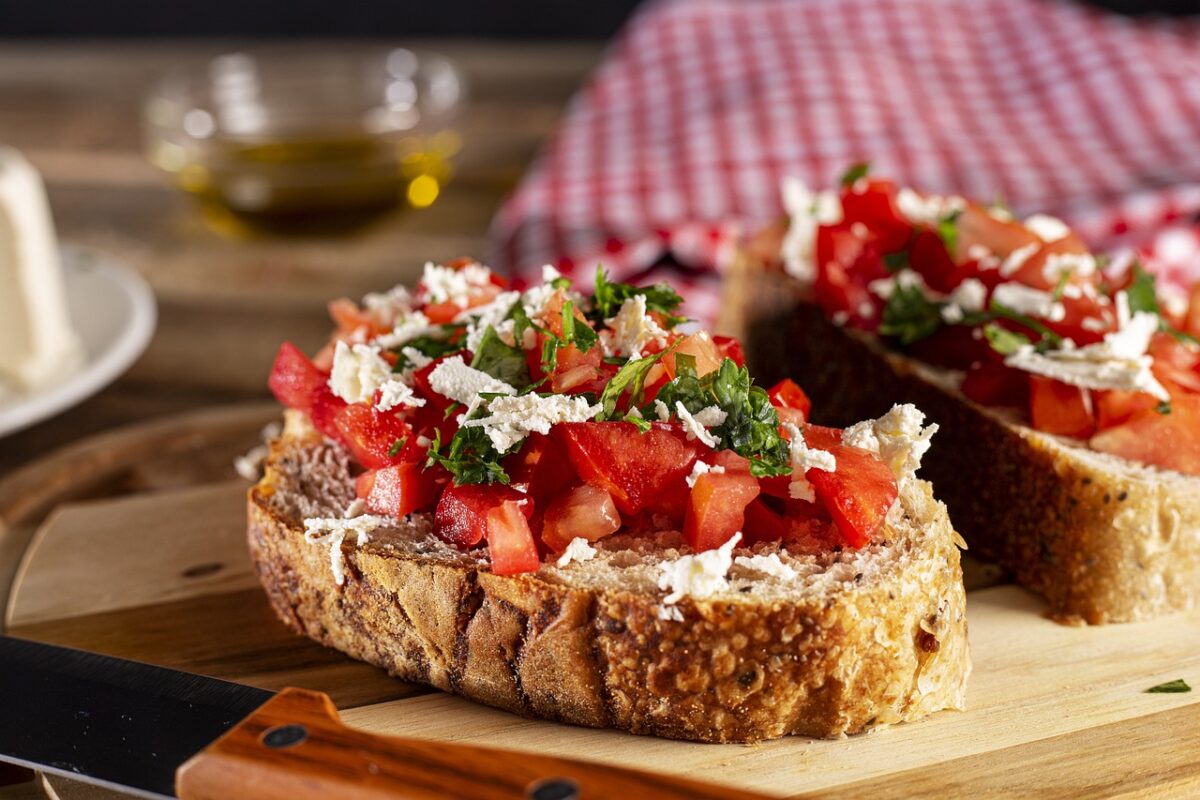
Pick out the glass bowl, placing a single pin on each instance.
(300, 137)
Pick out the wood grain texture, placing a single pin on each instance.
(1052, 711)
(332, 760)
(226, 302)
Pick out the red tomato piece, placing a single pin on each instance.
(857, 494)
(929, 257)
(370, 436)
(635, 468)
(699, 346)
(729, 347)
(1059, 408)
(399, 490)
(976, 227)
(1114, 407)
(294, 379)
(585, 510)
(1164, 440)
(845, 265)
(953, 347)
(1191, 322)
(461, 516)
(350, 318)
(540, 468)
(875, 207)
(1032, 272)
(324, 409)
(994, 384)
(787, 394)
(762, 524)
(717, 508)
(510, 540)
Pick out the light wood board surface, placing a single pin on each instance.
(161, 574)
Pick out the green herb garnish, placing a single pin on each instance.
(751, 426)
(910, 316)
(1163, 408)
(856, 171)
(947, 231)
(630, 379)
(397, 446)
(429, 346)
(609, 297)
(501, 360)
(1004, 341)
(470, 458)
(1141, 293)
(894, 262)
(1177, 686)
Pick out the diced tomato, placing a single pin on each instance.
(787, 394)
(1032, 272)
(585, 510)
(294, 379)
(370, 436)
(729, 347)
(977, 228)
(1059, 408)
(953, 347)
(929, 257)
(876, 208)
(762, 524)
(540, 468)
(1114, 407)
(1071, 326)
(399, 490)
(323, 411)
(845, 265)
(1166, 440)
(575, 370)
(993, 384)
(699, 346)
(510, 540)
(717, 508)
(442, 313)
(461, 516)
(634, 467)
(1191, 322)
(1176, 362)
(350, 318)
(857, 494)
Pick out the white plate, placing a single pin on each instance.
(113, 310)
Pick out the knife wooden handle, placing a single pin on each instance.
(295, 747)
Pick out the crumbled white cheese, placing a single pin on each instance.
(406, 328)
(807, 211)
(805, 458)
(1059, 264)
(1000, 213)
(1119, 362)
(970, 295)
(492, 315)
(631, 330)
(1094, 324)
(250, 465)
(395, 392)
(387, 306)
(511, 419)
(447, 285)
(1027, 300)
(927, 210)
(579, 549)
(660, 408)
(905, 279)
(953, 314)
(702, 468)
(768, 565)
(358, 372)
(415, 357)
(696, 425)
(357, 508)
(670, 613)
(899, 437)
(454, 379)
(1017, 258)
(1174, 301)
(1047, 228)
(699, 575)
(332, 532)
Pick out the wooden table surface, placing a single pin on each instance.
(225, 304)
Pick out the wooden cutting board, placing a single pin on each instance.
(132, 544)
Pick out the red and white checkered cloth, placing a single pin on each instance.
(683, 133)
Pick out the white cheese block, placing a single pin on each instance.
(37, 343)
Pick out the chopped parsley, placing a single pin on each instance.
(1177, 686)
(429, 346)
(947, 231)
(470, 458)
(1163, 408)
(751, 426)
(397, 446)
(855, 173)
(501, 360)
(1141, 292)
(910, 316)
(894, 262)
(1047, 340)
(1004, 341)
(631, 378)
(609, 297)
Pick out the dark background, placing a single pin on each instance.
(314, 18)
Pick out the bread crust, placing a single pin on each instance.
(820, 664)
(1101, 539)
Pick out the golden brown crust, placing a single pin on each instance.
(1101, 539)
(820, 664)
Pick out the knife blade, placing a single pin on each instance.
(158, 733)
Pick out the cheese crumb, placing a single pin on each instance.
(405, 329)
(900, 439)
(700, 575)
(358, 372)
(1047, 228)
(1059, 264)
(1027, 300)
(395, 392)
(927, 210)
(702, 468)
(696, 425)
(768, 565)
(631, 330)
(1017, 258)
(806, 211)
(452, 378)
(332, 532)
(447, 285)
(492, 315)
(670, 613)
(579, 549)
(511, 419)
(805, 458)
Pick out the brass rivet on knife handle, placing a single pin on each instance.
(295, 747)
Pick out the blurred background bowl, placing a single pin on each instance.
(293, 140)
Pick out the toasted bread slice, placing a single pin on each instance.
(853, 641)
(1103, 539)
